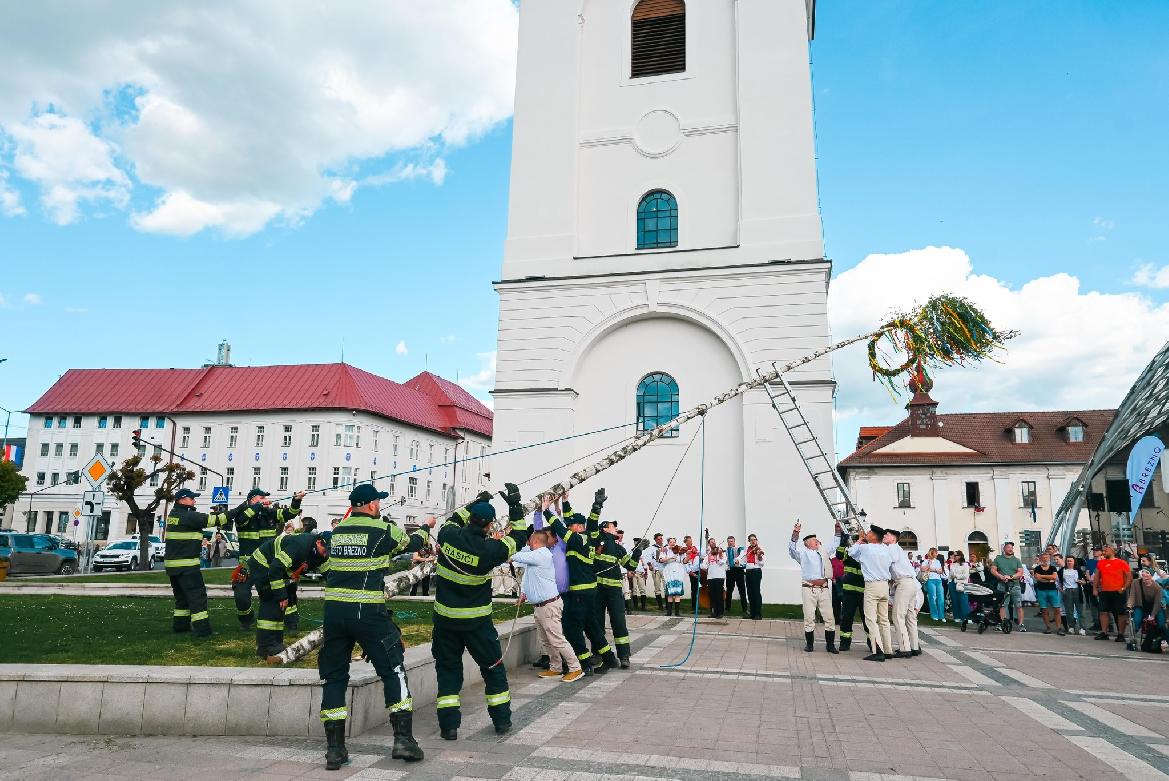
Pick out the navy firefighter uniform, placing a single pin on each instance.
(254, 526)
(272, 568)
(360, 551)
(184, 541)
(462, 607)
(611, 562)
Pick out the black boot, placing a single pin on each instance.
(628, 606)
(541, 663)
(830, 641)
(405, 746)
(624, 662)
(845, 643)
(808, 636)
(659, 600)
(610, 661)
(335, 754)
(643, 599)
(449, 734)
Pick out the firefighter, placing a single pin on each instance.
(273, 567)
(610, 563)
(256, 525)
(184, 541)
(360, 552)
(292, 614)
(581, 617)
(462, 606)
(853, 586)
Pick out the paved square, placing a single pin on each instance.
(748, 704)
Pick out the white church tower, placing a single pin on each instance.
(663, 243)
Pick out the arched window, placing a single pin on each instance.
(657, 38)
(907, 540)
(657, 402)
(976, 536)
(657, 220)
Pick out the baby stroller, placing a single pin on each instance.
(987, 602)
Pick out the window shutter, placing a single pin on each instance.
(658, 38)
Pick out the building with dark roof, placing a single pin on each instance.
(970, 481)
(317, 427)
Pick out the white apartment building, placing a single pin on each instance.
(318, 428)
(663, 243)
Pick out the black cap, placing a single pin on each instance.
(894, 532)
(877, 530)
(607, 524)
(364, 494)
(252, 494)
(809, 537)
(186, 493)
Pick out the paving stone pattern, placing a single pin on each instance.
(748, 704)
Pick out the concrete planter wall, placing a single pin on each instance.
(124, 700)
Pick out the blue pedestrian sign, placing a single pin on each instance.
(219, 494)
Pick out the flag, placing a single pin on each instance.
(1142, 463)
(11, 453)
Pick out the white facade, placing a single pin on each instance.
(281, 452)
(585, 315)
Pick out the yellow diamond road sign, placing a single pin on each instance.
(97, 470)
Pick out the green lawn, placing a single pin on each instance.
(212, 577)
(101, 630)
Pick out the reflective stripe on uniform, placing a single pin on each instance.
(458, 577)
(334, 594)
(276, 584)
(181, 613)
(603, 651)
(585, 655)
(510, 544)
(260, 559)
(449, 701)
(621, 640)
(403, 705)
(184, 535)
(334, 714)
(247, 612)
(461, 612)
(498, 699)
(177, 563)
(579, 555)
(248, 535)
(605, 557)
(200, 616)
(582, 586)
(275, 626)
(851, 587)
(359, 565)
(264, 533)
(290, 610)
(609, 582)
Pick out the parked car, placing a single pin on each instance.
(36, 554)
(65, 542)
(122, 554)
(157, 546)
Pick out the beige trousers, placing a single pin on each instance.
(905, 614)
(639, 584)
(551, 635)
(818, 598)
(659, 583)
(877, 614)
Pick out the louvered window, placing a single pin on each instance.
(658, 38)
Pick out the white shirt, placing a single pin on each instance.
(715, 566)
(810, 561)
(936, 569)
(875, 561)
(901, 567)
(1070, 578)
(649, 558)
(665, 555)
(539, 583)
(757, 564)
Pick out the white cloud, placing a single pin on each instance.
(401, 349)
(10, 205)
(1076, 349)
(69, 163)
(483, 380)
(241, 113)
(1149, 275)
(33, 298)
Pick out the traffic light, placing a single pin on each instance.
(136, 438)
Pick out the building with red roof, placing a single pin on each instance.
(314, 427)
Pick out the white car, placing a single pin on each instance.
(157, 546)
(122, 554)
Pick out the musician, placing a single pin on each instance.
(752, 560)
(715, 565)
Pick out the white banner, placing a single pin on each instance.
(1142, 464)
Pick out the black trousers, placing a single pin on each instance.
(190, 601)
(423, 585)
(479, 638)
(270, 623)
(837, 599)
(716, 595)
(612, 601)
(736, 577)
(852, 606)
(582, 620)
(754, 578)
(381, 642)
(695, 586)
(242, 592)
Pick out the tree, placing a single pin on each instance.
(12, 484)
(124, 483)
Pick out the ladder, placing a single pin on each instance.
(823, 472)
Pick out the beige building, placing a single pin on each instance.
(971, 481)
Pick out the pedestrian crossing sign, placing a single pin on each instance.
(219, 494)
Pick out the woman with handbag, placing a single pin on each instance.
(959, 578)
(935, 568)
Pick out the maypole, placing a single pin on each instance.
(947, 330)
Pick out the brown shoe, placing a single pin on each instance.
(548, 674)
(573, 675)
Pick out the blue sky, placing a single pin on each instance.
(1030, 137)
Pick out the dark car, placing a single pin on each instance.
(36, 554)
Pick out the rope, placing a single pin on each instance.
(701, 529)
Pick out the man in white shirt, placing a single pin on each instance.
(816, 587)
(876, 564)
(752, 561)
(715, 564)
(539, 590)
(905, 588)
